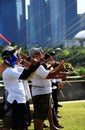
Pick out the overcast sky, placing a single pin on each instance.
(27, 3)
(81, 6)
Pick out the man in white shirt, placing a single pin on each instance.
(14, 85)
(41, 90)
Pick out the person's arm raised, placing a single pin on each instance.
(32, 67)
(54, 72)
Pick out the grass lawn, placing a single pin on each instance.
(73, 116)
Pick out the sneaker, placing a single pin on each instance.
(60, 105)
(59, 126)
(59, 116)
(45, 126)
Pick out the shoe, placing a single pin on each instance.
(57, 111)
(58, 116)
(54, 128)
(60, 105)
(45, 126)
(59, 126)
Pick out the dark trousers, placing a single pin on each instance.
(55, 119)
(55, 99)
(19, 121)
(28, 113)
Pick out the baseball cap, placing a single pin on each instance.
(8, 51)
(9, 48)
(52, 53)
(34, 50)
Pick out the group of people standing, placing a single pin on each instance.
(43, 72)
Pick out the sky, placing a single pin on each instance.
(80, 6)
(27, 3)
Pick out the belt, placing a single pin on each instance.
(38, 86)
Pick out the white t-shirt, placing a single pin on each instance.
(41, 85)
(13, 85)
(25, 84)
(27, 90)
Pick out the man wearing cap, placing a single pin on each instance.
(50, 62)
(12, 80)
(41, 89)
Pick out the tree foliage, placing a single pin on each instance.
(74, 56)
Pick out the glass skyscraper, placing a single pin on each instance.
(57, 15)
(72, 19)
(39, 22)
(64, 19)
(12, 20)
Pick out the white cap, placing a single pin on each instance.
(9, 48)
(34, 50)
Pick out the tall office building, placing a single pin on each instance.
(39, 23)
(8, 18)
(57, 15)
(65, 22)
(72, 19)
(12, 20)
(82, 21)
